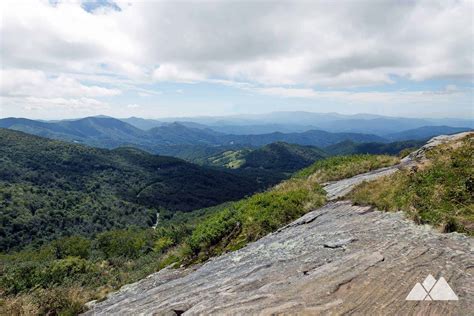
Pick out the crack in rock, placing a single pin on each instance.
(339, 243)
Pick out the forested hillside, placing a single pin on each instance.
(349, 147)
(60, 276)
(52, 188)
(279, 157)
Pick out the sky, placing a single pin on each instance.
(152, 59)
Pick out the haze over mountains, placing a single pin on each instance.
(287, 122)
(173, 136)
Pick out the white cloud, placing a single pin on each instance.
(38, 34)
(133, 106)
(306, 43)
(264, 42)
(56, 107)
(170, 72)
(62, 51)
(36, 83)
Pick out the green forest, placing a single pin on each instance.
(50, 189)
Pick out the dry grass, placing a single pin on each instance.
(54, 301)
(440, 192)
(341, 167)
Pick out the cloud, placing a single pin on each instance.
(264, 42)
(65, 37)
(38, 84)
(61, 107)
(133, 106)
(306, 43)
(64, 51)
(170, 72)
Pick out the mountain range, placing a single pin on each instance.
(290, 122)
(179, 138)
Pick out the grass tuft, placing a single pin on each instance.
(439, 192)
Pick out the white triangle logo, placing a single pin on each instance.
(418, 293)
(432, 290)
(442, 291)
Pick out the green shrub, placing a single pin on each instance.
(162, 244)
(20, 277)
(124, 243)
(75, 246)
(213, 230)
(63, 269)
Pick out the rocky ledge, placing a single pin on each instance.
(337, 259)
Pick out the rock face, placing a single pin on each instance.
(338, 189)
(337, 259)
(419, 155)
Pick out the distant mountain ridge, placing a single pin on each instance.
(111, 133)
(194, 141)
(425, 132)
(290, 122)
(96, 131)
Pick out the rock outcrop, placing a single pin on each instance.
(337, 259)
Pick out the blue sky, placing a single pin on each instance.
(160, 59)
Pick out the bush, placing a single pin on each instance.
(61, 270)
(124, 243)
(20, 277)
(75, 246)
(405, 152)
(213, 230)
(162, 244)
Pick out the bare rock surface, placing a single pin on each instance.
(419, 155)
(338, 259)
(340, 188)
